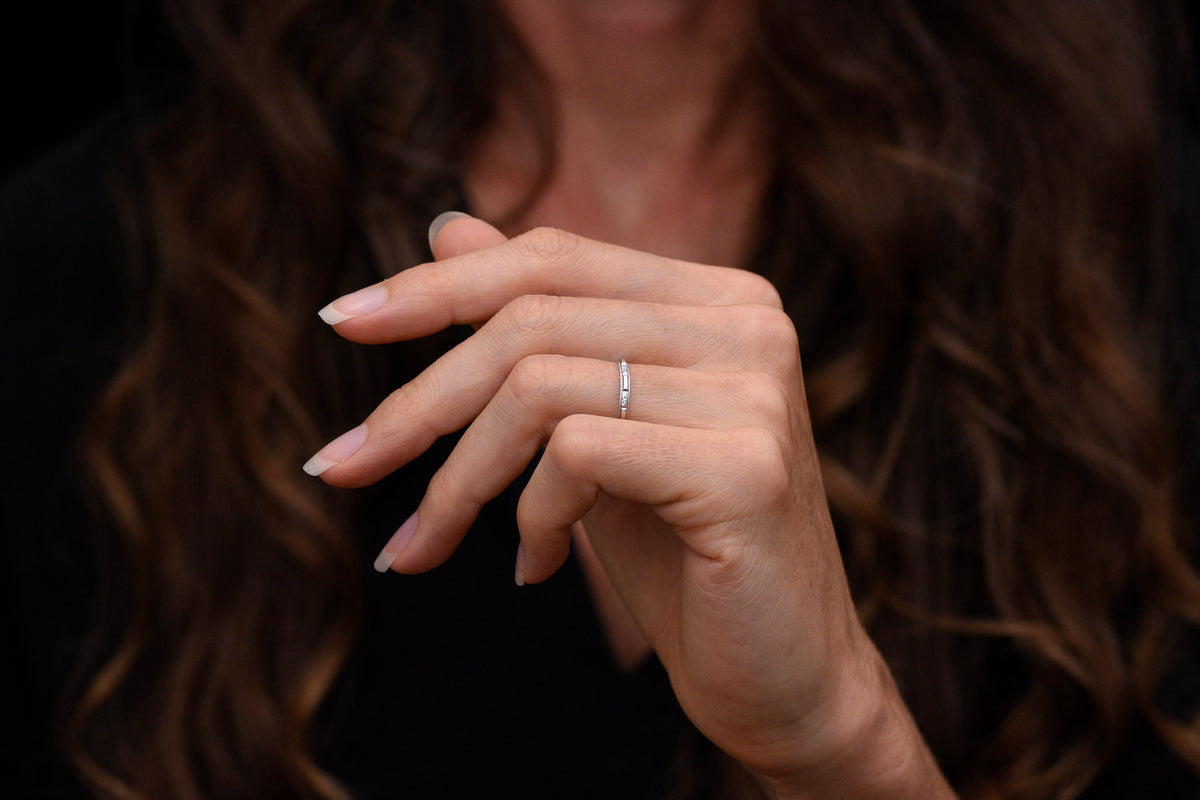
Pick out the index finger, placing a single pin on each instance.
(471, 287)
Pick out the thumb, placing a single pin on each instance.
(454, 233)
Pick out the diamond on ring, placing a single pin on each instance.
(623, 400)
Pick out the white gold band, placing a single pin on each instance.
(623, 400)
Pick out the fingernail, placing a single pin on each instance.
(395, 545)
(355, 304)
(519, 577)
(440, 221)
(336, 451)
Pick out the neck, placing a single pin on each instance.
(658, 140)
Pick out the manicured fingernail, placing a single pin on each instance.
(355, 304)
(337, 451)
(519, 577)
(395, 545)
(440, 221)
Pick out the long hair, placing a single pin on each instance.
(966, 220)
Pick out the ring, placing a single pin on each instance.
(623, 399)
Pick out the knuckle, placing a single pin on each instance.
(529, 516)
(533, 382)
(572, 444)
(532, 314)
(767, 397)
(758, 290)
(551, 245)
(441, 493)
(772, 332)
(402, 409)
(760, 453)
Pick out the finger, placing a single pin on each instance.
(702, 482)
(454, 234)
(466, 234)
(542, 390)
(451, 392)
(471, 287)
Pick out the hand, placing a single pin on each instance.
(705, 507)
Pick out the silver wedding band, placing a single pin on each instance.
(623, 399)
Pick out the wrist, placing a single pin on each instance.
(862, 744)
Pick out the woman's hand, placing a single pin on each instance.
(705, 507)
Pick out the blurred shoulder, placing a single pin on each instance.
(62, 251)
(64, 179)
(62, 262)
(58, 217)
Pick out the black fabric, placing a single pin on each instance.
(463, 685)
(60, 251)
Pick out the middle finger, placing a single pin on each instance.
(453, 390)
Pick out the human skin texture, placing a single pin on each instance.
(705, 508)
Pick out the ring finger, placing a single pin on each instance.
(539, 392)
(450, 393)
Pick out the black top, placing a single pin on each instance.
(462, 685)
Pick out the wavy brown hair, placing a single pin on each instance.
(966, 218)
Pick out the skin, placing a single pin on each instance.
(705, 509)
(662, 142)
(661, 147)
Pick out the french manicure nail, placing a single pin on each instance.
(337, 451)
(519, 576)
(395, 545)
(440, 221)
(355, 304)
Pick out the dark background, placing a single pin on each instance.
(61, 64)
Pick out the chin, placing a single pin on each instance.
(641, 16)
